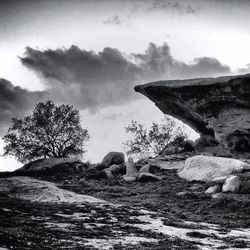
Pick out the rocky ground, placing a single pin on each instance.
(167, 214)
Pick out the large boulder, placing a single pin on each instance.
(110, 159)
(217, 108)
(207, 168)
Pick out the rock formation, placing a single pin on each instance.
(110, 159)
(217, 108)
(35, 190)
(52, 164)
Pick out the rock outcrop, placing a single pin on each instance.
(217, 108)
(52, 165)
(34, 190)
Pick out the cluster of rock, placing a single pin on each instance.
(144, 174)
(114, 165)
(225, 184)
(223, 174)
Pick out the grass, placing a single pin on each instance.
(232, 211)
(26, 225)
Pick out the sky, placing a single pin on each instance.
(91, 54)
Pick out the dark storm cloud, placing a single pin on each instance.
(86, 78)
(158, 63)
(15, 102)
(95, 80)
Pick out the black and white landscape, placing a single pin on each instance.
(124, 124)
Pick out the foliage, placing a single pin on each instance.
(51, 131)
(152, 141)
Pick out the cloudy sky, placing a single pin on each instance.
(92, 53)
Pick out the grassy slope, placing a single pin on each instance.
(23, 225)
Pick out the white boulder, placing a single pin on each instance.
(206, 168)
(232, 184)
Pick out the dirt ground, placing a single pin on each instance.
(124, 223)
(233, 210)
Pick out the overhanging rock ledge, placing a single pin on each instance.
(217, 108)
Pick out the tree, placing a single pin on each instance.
(152, 141)
(51, 131)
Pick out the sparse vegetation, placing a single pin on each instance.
(151, 142)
